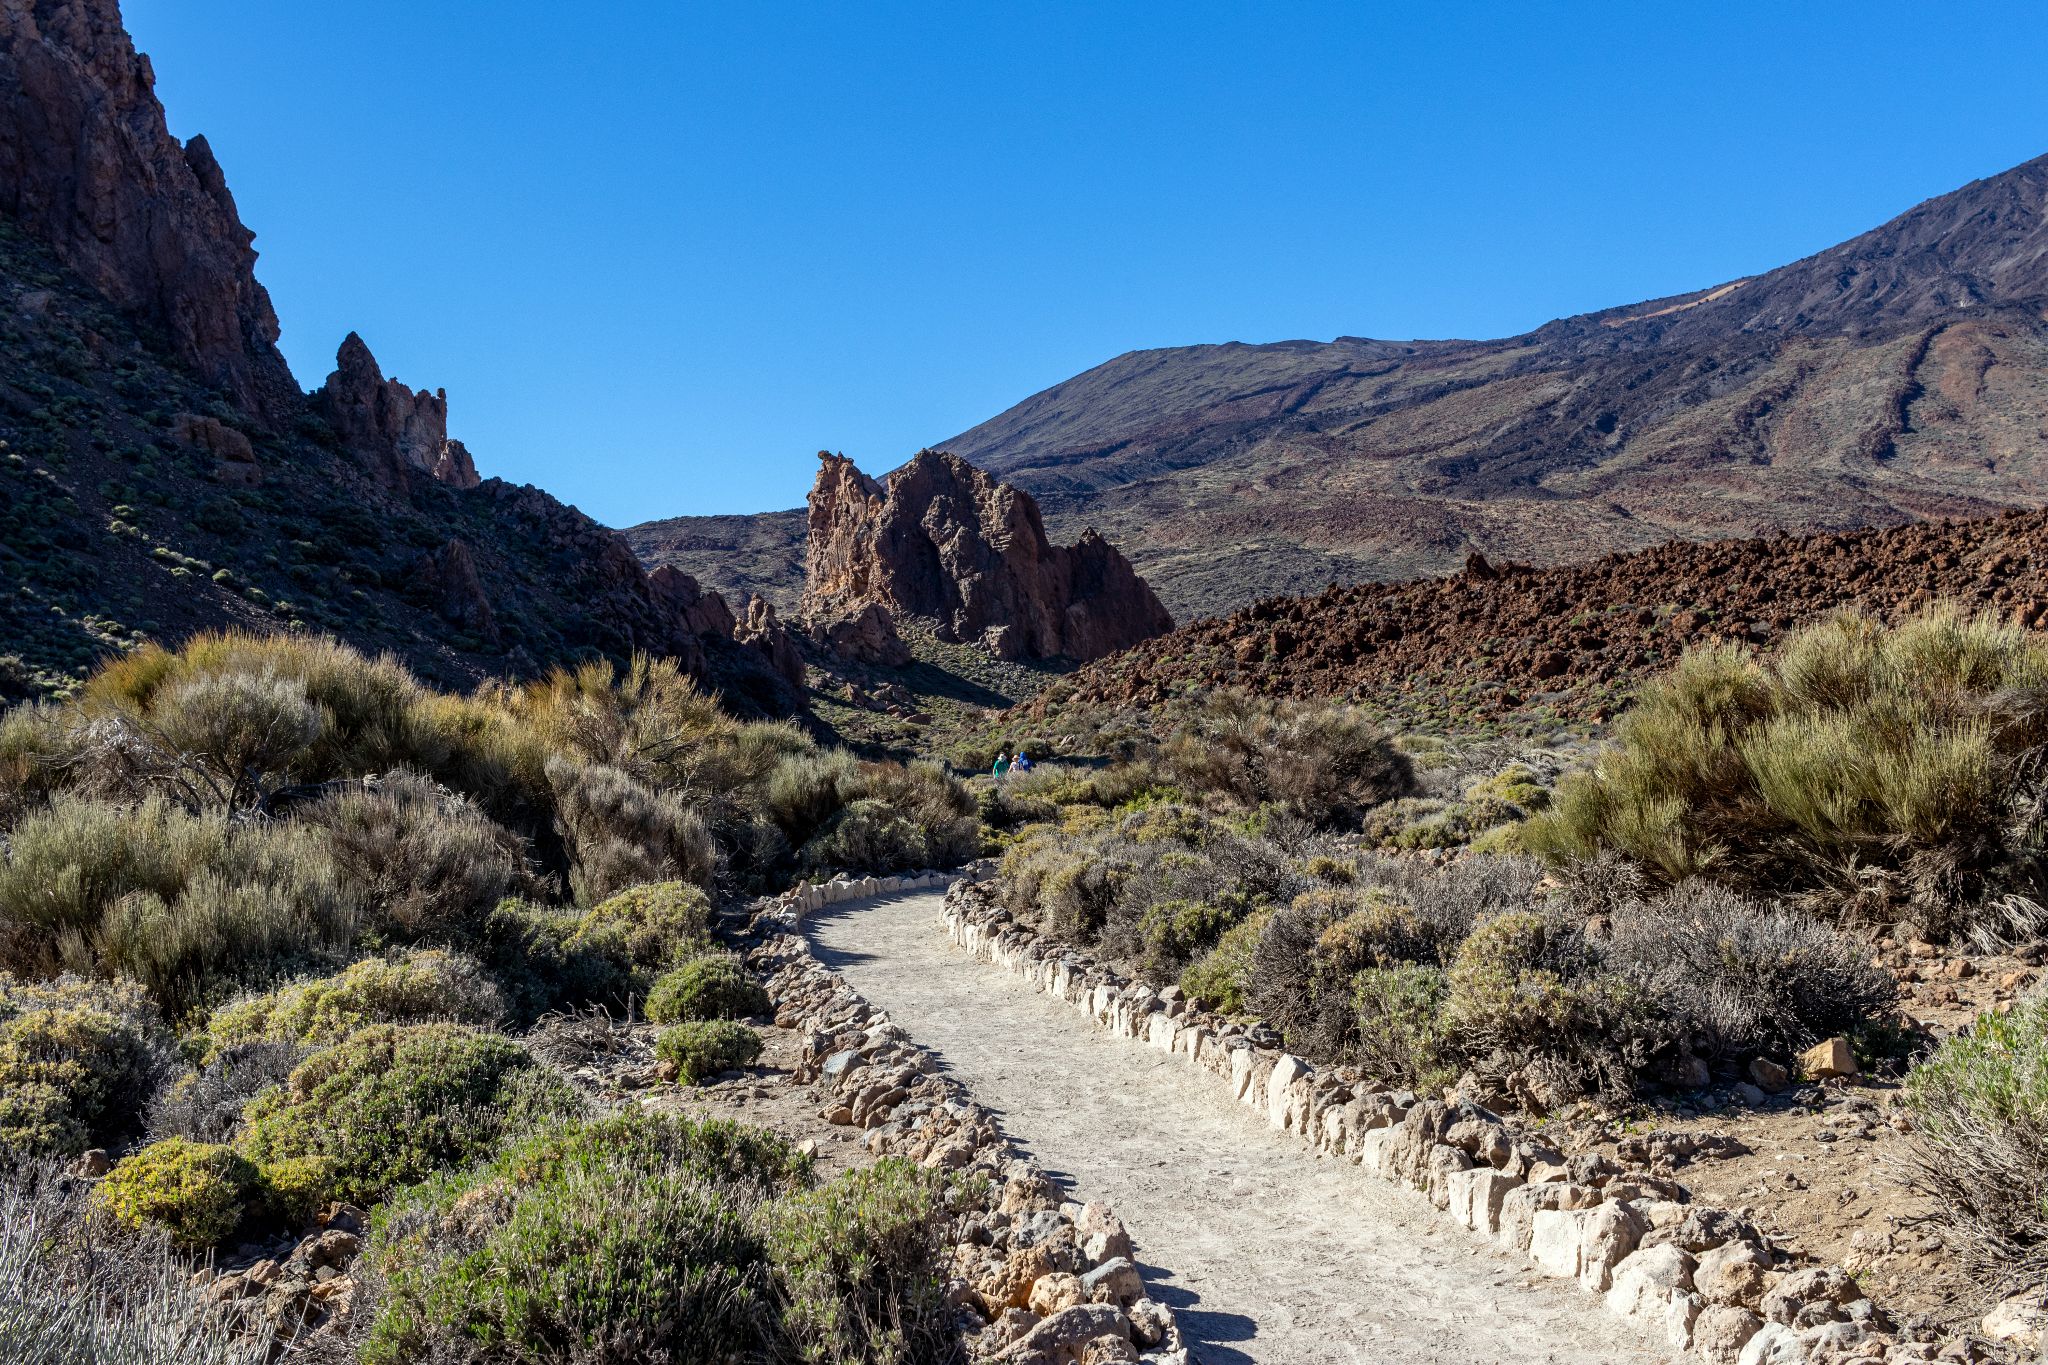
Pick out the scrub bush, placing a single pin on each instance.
(428, 864)
(198, 1193)
(1866, 767)
(862, 1262)
(392, 1104)
(1980, 1143)
(703, 1048)
(423, 985)
(74, 1055)
(626, 1240)
(714, 986)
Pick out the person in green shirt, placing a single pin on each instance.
(1002, 763)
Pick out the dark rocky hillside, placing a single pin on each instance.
(735, 556)
(1897, 376)
(163, 474)
(1569, 643)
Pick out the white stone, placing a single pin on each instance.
(1555, 1241)
(1373, 1152)
(1646, 1281)
(1476, 1195)
(1240, 1072)
(1774, 1344)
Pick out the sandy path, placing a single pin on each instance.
(1267, 1253)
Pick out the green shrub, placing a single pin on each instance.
(1874, 766)
(187, 905)
(1179, 931)
(392, 1104)
(294, 1190)
(196, 1192)
(525, 948)
(652, 925)
(75, 1056)
(425, 984)
(1980, 1143)
(862, 1261)
(621, 832)
(703, 1048)
(1324, 761)
(628, 1240)
(1523, 989)
(1217, 981)
(428, 864)
(1402, 1037)
(714, 986)
(807, 789)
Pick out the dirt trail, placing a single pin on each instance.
(1268, 1253)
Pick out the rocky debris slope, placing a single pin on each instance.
(1901, 375)
(1708, 1280)
(88, 165)
(1496, 637)
(939, 539)
(1041, 1279)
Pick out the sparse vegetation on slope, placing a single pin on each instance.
(1879, 772)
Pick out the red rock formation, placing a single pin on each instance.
(396, 430)
(940, 539)
(701, 612)
(88, 165)
(862, 635)
(760, 630)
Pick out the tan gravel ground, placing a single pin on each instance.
(1267, 1252)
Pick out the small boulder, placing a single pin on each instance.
(1827, 1059)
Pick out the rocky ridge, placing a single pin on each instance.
(1572, 640)
(396, 430)
(163, 473)
(940, 539)
(88, 164)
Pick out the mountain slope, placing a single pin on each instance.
(162, 473)
(1900, 375)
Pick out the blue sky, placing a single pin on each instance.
(659, 254)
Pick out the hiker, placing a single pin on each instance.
(1023, 763)
(1002, 763)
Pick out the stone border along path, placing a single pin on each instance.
(1266, 1254)
(1700, 1278)
(1055, 1276)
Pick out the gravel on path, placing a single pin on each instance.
(1267, 1252)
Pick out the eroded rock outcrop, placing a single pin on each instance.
(396, 430)
(940, 539)
(446, 579)
(88, 165)
(865, 634)
(762, 631)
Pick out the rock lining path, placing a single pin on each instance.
(1267, 1253)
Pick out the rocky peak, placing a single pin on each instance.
(88, 165)
(940, 539)
(396, 430)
